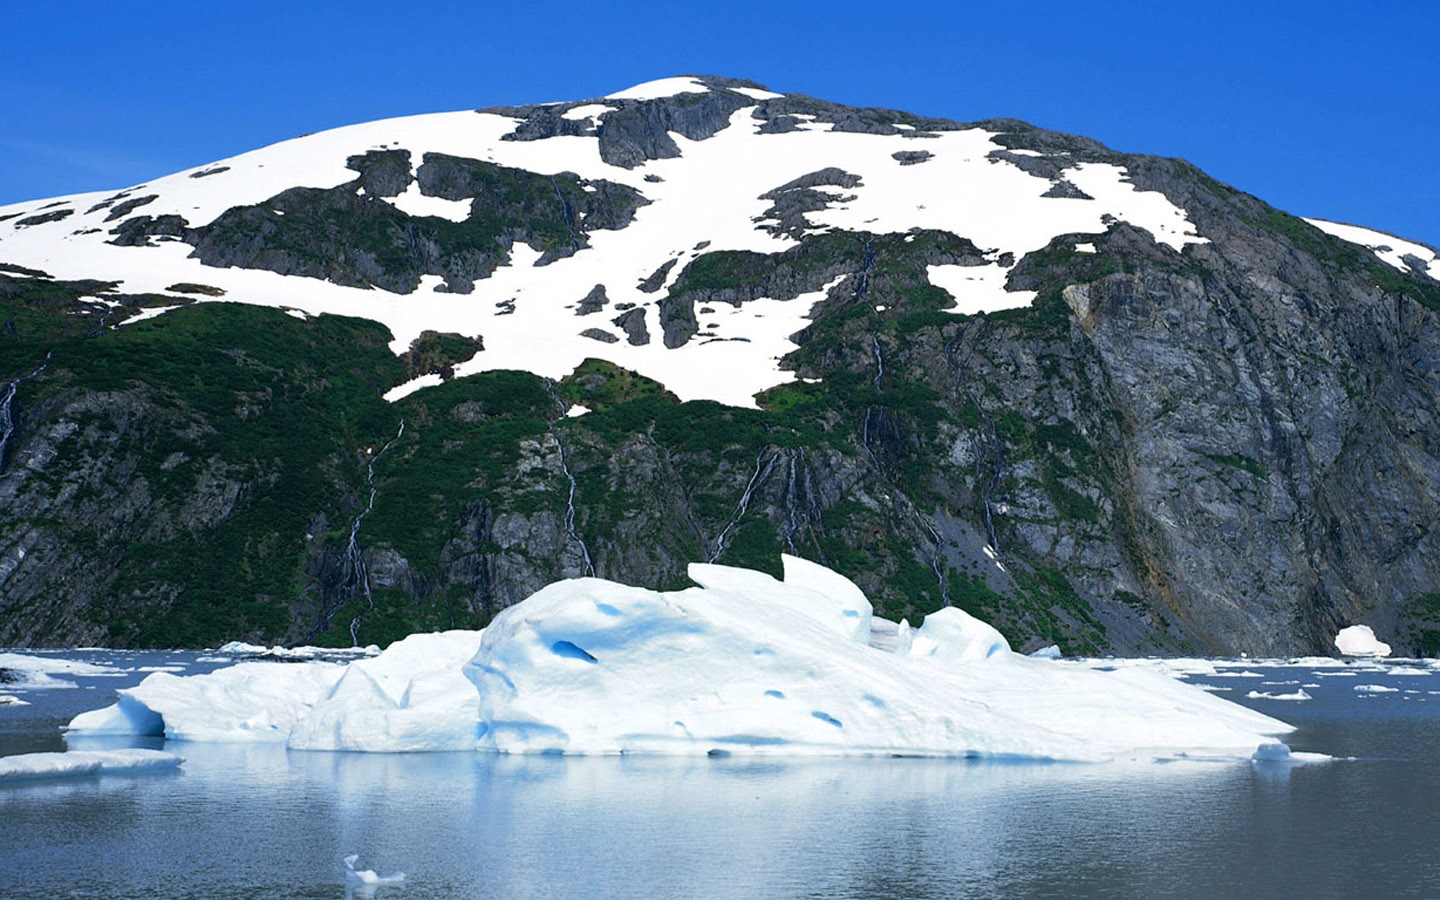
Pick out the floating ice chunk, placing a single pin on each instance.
(254, 651)
(742, 664)
(1268, 695)
(1050, 652)
(12, 700)
(1375, 689)
(1275, 752)
(27, 672)
(29, 766)
(368, 876)
(1359, 640)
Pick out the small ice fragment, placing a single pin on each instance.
(368, 876)
(1267, 695)
(1050, 652)
(1360, 640)
(1375, 689)
(1275, 752)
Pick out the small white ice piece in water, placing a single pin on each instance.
(1359, 640)
(1275, 752)
(1268, 695)
(367, 877)
(1375, 689)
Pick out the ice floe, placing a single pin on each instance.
(741, 664)
(1375, 689)
(1360, 640)
(1270, 695)
(29, 766)
(27, 672)
(1278, 753)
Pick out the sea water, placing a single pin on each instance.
(260, 821)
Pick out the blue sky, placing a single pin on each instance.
(1322, 108)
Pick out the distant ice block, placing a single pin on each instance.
(744, 663)
(1375, 689)
(1359, 640)
(26, 672)
(1271, 695)
(1276, 753)
(29, 766)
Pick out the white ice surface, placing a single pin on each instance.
(35, 672)
(1277, 753)
(1360, 640)
(1270, 695)
(710, 193)
(743, 664)
(1389, 248)
(1375, 689)
(30, 766)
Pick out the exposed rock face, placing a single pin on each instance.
(351, 236)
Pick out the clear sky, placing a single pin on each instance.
(1323, 108)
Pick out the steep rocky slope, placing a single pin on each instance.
(1098, 398)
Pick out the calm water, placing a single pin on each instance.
(249, 821)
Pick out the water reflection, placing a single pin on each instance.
(261, 821)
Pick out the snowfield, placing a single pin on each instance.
(741, 664)
(707, 199)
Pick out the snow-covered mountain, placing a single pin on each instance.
(1099, 398)
(701, 165)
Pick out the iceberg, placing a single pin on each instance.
(30, 766)
(743, 663)
(1360, 640)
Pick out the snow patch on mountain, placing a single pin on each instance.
(660, 89)
(1390, 249)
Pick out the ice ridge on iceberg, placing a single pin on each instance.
(743, 663)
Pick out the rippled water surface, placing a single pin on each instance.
(258, 821)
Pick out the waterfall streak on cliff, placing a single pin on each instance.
(762, 469)
(354, 576)
(7, 418)
(570, 531)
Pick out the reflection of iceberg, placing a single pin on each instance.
(741, 664)
(28, 766)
